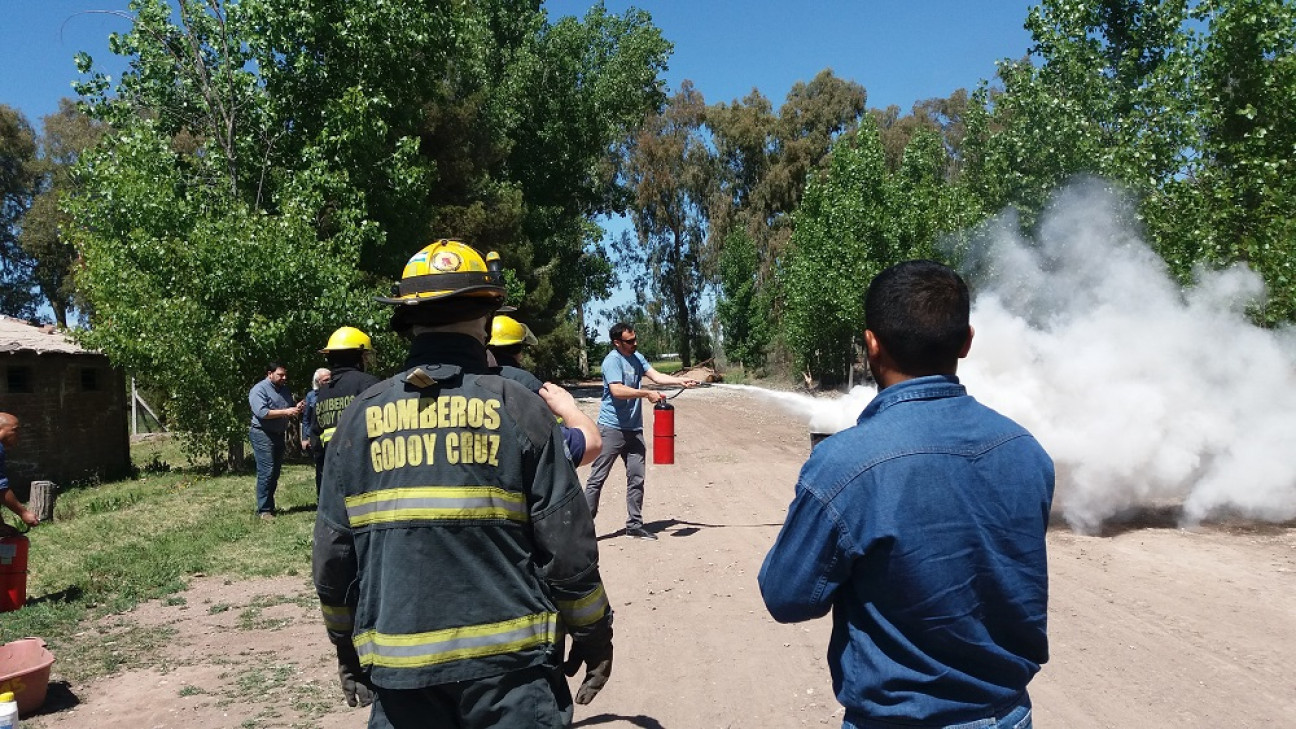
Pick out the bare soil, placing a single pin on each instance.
(1151, 625)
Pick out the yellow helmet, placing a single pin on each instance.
(506, 331)
(348, 338)
(446, 269)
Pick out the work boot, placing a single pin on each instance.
(640, 533)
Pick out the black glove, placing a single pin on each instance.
(355, 685)
(596, 655)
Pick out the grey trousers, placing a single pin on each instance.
(629, 445)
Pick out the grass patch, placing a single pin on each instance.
(114, 545)
(251, 618)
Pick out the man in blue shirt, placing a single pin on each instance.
(272, 409)
(620, 423)
(922, 529)
(8, 438)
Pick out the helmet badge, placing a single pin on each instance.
(446, 261)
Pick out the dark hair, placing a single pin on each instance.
(440, 312)
(919, 310)
(507, 354)
(618, 329)
(345, 358)
(274, 366)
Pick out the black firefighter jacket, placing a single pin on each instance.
(333, 398)
(453, 540)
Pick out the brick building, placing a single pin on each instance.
(72, 404)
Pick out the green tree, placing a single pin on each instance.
(1107, 99)
(1242, 193)
(765, 158)
(1183, 105)
(66, 134)
(200, 260)
(19, 177)
(743, 309)
(844, 233)
(337, 138)
(669, 168)
(857, 218)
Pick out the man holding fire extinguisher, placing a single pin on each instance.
(620, 423)
(8, 437)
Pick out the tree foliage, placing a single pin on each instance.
(1183, 104)
(302, 151)
(669, 169)
(857, 218)
(65, 135)
(765, 158)
(743, 307)
(19, 177)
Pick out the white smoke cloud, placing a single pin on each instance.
(1145, 394)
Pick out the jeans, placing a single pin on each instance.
(268, 450)
(1018, 718)
(629, 445)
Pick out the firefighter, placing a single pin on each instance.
(347, 353)
(453, 547)
(504, 351)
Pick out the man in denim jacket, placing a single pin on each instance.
(922, 528)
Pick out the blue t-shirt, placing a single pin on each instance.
(574, 443)
(616, 412)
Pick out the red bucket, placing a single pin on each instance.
(13, 573)
(25, 670)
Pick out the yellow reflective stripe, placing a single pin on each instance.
(337, 617)
(435, 503)
(586, 610)
(417, 650)
(327, 435)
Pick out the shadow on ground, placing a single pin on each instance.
(681, 528)
(645, 722)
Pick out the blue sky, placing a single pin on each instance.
(900, 52)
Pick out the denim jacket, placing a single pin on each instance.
(922, 529)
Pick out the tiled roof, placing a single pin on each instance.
(17, 335)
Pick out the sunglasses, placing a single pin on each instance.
(629, 341)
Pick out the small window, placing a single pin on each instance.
(19, 379)
(89, 379)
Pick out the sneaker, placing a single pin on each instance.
(267, 515)
(641, 533)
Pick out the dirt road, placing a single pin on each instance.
(1150, 626)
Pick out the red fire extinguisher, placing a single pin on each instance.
(663, 433)
(13, 572)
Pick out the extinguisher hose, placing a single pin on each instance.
(682, 389)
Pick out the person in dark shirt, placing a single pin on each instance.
(504, 351)
(453, 552)
(922, 530)
(310, 442)
(8, 439)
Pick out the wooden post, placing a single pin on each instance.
(42, 498)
